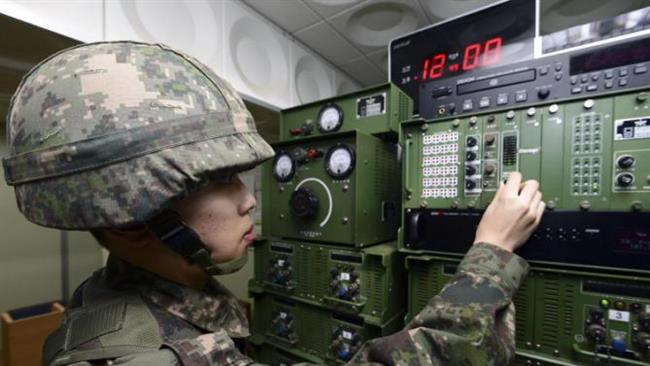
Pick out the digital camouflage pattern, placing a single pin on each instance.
(108, 134)
(471, 322)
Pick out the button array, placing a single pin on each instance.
(586, 173)
(440, 165)
(586, 176)
(589, 82)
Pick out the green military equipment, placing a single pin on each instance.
(331, 336)
(340, 188)
(588, 155)
(368, 282)
(267, 354)
(376, 110)
(563, 316)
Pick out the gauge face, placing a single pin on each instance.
(283, 167)
(339, 161)
(330, 118)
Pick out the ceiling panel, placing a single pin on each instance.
(290, 15)
(328, 8)
(364, 71)
(325, 41)
(380, 58)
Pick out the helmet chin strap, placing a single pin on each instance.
(172, 231)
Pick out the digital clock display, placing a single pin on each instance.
(490, 37)
(472, 56)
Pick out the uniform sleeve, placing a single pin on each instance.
(471, 321)
(210, 349)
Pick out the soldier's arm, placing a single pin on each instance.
(471, 321)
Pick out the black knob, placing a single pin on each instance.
(624, 179)
(470, 170)
(543, 92)
(299, 154)
(491, 119)
(597, 333)
(644, 322)
(470, 184)
(625, 161)
(470, 156)
(471, 141)
(303, 203)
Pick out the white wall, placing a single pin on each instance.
(238, 43)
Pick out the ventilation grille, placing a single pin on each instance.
(522, 313)
(404, 110)
(557, 311)
(373, 285)
(510, 150)
(424, 284)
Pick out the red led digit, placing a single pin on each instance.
(425, 69)
(470, 57)
(492, 51)
(438, 65)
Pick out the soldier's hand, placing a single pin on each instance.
(513, 214)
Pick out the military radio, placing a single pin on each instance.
(569, 109)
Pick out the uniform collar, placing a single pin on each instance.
(211, 308)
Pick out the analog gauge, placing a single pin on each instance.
(339, 161)
(330, 118)
(283, 167)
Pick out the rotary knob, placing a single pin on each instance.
(470, 156)
(624, 179)
(644, 322)
(596, 332)
(470, 170)
(470, 184)
(303, 203)
(489, 169)
(471, 141)
(299, 154)
(543, 92)
(490, 139)
(625, 161)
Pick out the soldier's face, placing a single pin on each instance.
(220, 214)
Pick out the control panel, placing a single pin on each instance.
(581, 74)
(376, 110)
(339, 189)
(563, 317)
(591, 157)
(367, 283)
(298, 326)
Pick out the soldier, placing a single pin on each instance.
(141, 145)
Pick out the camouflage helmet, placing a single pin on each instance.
(109, 134)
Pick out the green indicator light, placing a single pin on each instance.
(604, 303)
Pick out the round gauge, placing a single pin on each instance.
(339, 161)
(330, 118)
(283, 167)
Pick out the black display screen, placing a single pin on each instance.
(610, 57)
(495, 36)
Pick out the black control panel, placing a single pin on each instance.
(578, 74)
(607, 239)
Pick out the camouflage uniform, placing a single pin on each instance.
(471, 322)
(109, 135)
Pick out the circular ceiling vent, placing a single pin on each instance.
(145, 19)
(377, 24)
(312, 80)
(258, 57)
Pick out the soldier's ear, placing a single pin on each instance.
(135, 236)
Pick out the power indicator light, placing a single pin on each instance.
(619, 305)
(604, 303)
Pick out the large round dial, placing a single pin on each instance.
(339, 161)
(330, 118)
(283, 167)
